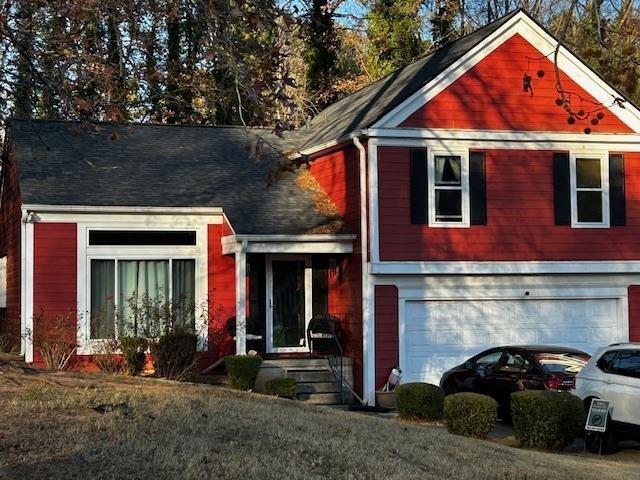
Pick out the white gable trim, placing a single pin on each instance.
(521, 24)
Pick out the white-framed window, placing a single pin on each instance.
(448, 175)
(138, 279)
(140, 297)
(589, 190)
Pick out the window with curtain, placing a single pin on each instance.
(151, 296)
(448, 188)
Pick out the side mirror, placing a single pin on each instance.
(481, 370)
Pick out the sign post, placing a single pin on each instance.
(597, 418)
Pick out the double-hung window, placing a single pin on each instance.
(589, 191)
(448, 189)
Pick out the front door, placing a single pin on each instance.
(288, 302)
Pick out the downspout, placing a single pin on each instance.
(366, 300)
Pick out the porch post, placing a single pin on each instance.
(241, 299)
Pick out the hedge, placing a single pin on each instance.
(242, 370)
(134, 353)
(546, 419)
(470, 414)
(420, 401)
(281, 387)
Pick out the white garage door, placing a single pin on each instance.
(442, 334)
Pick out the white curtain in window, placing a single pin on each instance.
(143, 296)
(184, 293)
(448, 169)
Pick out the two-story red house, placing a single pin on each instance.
(454, 205)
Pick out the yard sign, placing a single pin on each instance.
(597, 418)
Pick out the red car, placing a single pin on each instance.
(501, 371)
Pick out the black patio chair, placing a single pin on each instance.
(323, 335)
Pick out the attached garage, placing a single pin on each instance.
(442, 326)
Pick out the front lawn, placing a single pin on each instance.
(173, 430)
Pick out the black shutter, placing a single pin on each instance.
(478, 188)
(419, 186)
(561, 188)
(617, 206)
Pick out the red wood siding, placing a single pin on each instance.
(634, 313)
(338, 174)
(490, 96)
(222, 294)
(10, 218)
(520, 214)
(386, 332)
(55, 279)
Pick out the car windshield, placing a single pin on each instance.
(562, 362)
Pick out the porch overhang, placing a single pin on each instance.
(320, 243)
(241, 245)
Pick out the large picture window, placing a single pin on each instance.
(590, 191)
(449, 190)
(141, 297)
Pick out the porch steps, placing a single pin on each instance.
(316, 383)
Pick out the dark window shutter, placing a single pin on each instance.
(561, 188)
(478, 188)
(419, 186)
(617, 206)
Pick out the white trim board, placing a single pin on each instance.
(295, 244)
(539, 140)
(521, 24)
(505, 268)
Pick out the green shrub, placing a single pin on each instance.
(242, 370)
(470, 414)
(134, 353)
(421, 401)
(281, 387)
(174, 354)
(546, 419)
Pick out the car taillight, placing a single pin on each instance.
(559, 383)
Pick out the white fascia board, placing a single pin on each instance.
(322, 243)
(506, 268)
(546, 44)
(121, 209)
(418, 137)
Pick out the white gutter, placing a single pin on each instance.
(322, 237)
(121, 209)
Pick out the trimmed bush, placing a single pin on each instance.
(546, 419)
(281, 387)
(470, 414)
(134, 353)
(174, 354)
(420, 401)
(242, 370)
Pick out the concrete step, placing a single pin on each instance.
(311, 376)
(297, 363)
(320, 398)
(318, 387)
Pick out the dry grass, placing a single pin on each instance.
(197, 431)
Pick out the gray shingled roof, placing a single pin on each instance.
(160, 166)
(363, 108)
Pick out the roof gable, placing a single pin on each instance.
(544, 43)
(363, 108)
(489, 96)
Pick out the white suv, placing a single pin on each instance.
(613, 374)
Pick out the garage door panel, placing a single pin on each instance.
(442, 334)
